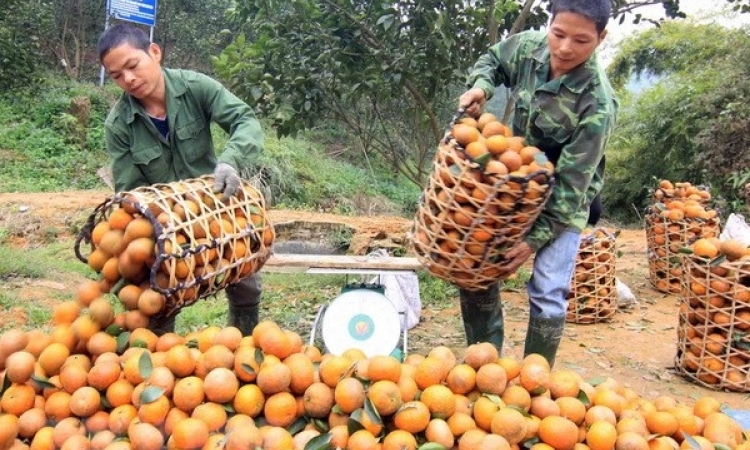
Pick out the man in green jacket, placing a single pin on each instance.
(564, 105)
(159, 132)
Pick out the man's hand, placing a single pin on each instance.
(227, 180)
(516, 256)
(473, 101)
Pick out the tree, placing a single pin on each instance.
(19, 52)
(742, 6)
(389, 71)
(36, 35)
(688, 124)
(190, 31)
(380, 68)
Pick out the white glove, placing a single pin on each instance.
(227, 180)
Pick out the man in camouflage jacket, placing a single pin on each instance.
(159, 131)
(564, 105)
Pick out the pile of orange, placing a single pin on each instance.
(214, 389)
(679, 215)
(486, 190)
(593, 292)
(667, 191)
(155, 250)
(714, 326)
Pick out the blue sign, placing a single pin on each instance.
(138, 11)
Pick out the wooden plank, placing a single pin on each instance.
(344, 263)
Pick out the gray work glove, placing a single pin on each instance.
(227, 180)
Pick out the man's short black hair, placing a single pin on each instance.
(119, 34)
(596, 10)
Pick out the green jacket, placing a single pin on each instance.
(141, 156)
(569, 118)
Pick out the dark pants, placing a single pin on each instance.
(246, 292)
(595, 210)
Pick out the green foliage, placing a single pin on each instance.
(53, 146)
(672, 47)
(19, 52)
(190, 32)
(388, 71)
(689, 125)
(299, 175)
(725, 138)
(383, 70)
(742, 6)
(435, 292)
(518, 282)
(47, 146)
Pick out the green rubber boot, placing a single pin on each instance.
(243, 317)
(543, 337)
(482, 313)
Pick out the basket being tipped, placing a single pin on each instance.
(484, 194)
(178, 242)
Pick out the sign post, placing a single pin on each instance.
(137, 11)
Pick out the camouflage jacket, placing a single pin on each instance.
(141, 156)
(569, 118)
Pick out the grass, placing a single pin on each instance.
(39, 262)
(44, 148)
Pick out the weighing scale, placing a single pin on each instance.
(361, 317)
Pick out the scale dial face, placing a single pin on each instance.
(363, 319)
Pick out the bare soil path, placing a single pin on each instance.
(637, 347)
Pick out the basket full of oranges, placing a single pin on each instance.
(181, 240)
(485, 191)
(713, 335)
(593, 291)
(680, 214)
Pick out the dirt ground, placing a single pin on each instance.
(637, 347)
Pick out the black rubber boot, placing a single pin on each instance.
(543, 337)
(482, 314)
(162, 324)
(244, 300)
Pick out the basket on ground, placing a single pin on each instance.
(180, 239)
(713, 346)
(669, 227)
(593, 293)
(484, 194)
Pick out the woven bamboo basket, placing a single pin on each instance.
(201, 242)
(713, 336)
(665, 238)
(467, 218)
(593, 294)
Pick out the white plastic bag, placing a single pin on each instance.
(736, 228)
(625, 297)
(402, 290)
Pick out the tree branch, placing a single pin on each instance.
(371, 38)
